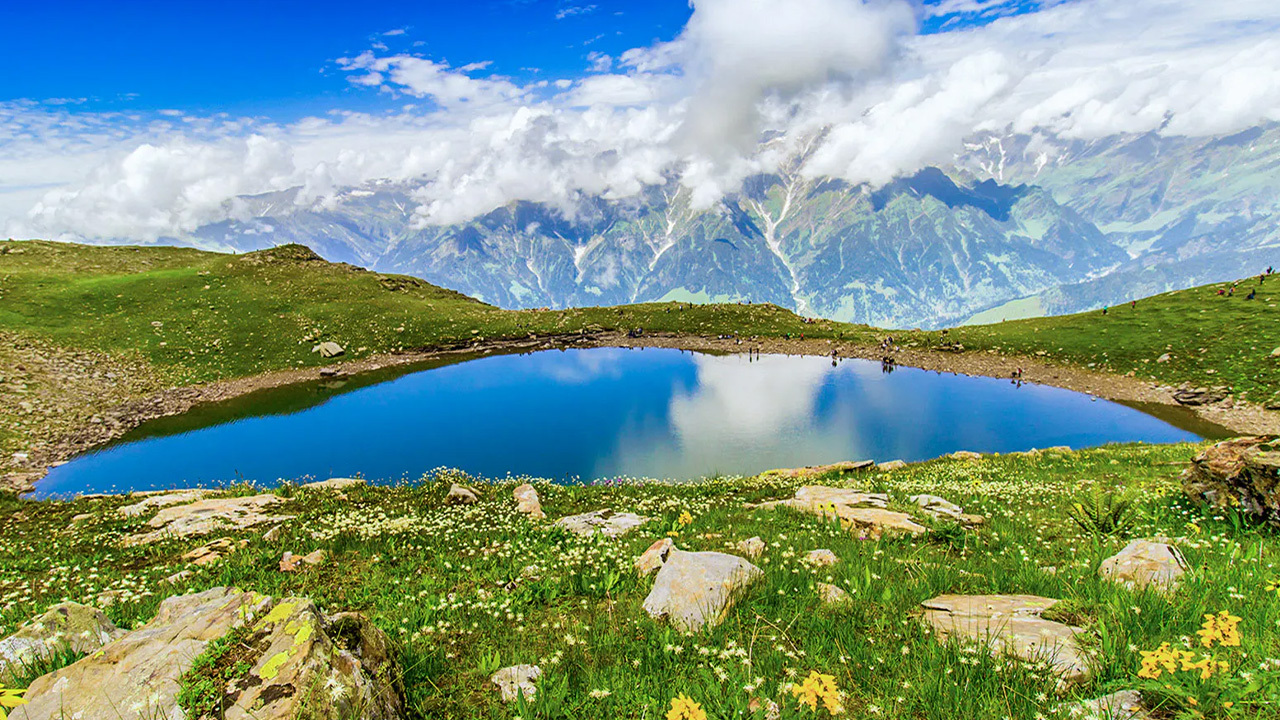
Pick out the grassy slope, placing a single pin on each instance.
(446, 583)
(1211, 340)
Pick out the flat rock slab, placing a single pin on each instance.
(865, 514)
(1010, 624)
(694, 589)
(205, 516)
(335, 484)
(812, 498)
(814, 470)
(1146, 563)
(214, 551)
(604, 522)
(79, 628)
(155, 502)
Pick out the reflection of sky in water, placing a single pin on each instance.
(607, 412)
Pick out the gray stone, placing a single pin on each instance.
(891, 465)
(862, 513)
(1010, 624)
(155, 502)
(694, 589)
(1146, 563)
(832, 594)
(205, 516)
(821, 558)
(1200, 396)
(68, 626)
(938, 508)
(517, 680)
(293, 563)
(459, 495)
(1242, 473)
(328, 349)
(335, 484)
(604, 522)
(1123, 705)
(752, 547)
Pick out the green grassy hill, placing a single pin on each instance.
(1211, 339)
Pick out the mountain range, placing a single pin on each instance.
(1014, 226)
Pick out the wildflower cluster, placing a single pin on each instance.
(819, 688)
(10, 698)
(1166, 659)
(683, 707)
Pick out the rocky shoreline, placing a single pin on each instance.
(21, 473)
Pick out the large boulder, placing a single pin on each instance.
(605, 522)
(69, 626)
(1200, 396)
(1010, 624)
(300, 665)
(459, 495)
(694, 589)
(205, 516)
(1243, 473)
(527, 502)
(328, 349)
(653, 558)
(1145, 563)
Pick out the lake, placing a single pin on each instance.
(605, 413)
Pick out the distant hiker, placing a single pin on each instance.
(1133, 304)
(1221, 292)
(1104, 309)
(1252, 294)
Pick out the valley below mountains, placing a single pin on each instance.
(1015, 226)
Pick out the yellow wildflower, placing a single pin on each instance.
(10, 698)
(818, 687)
(685, 518)
(1221, 628)
(684, 708)
(1161, 660)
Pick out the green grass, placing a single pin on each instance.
(1211, 340)
(462, 591)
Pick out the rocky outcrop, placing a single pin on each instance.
(694, 589)
(605, 522)
(517, 680)
(299, 663)
(1145, 563)
(1009, 624)
(68, 626)
(1243, 473)
(864, 514)
(335, 484)
(816, 470)
(943, 509)
(653, 558)
(205, 516)
(212, 552)
(160, 500)
(527, 502)
(891, 465)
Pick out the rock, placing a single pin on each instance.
(694, 589)
(1012, 624)
(82, 517)
(606, 522)
(274, 534)
(1275, 353)
(1243, 473)
(653, 558)
(214, 551)
(205, 516)
(293, 563)
(1200, 396)
(820, 558)
(459, 495)
(517, 680)
(1164, 358)
(527, 502)
(1123, 705)
(178, 577)
(815, 470)
(301, 665)
(937, 507)
(328, 349)
(831, 594)
(71, 626)
(156, 502)
(891, 465)
(1144, 563)
(752, 547)
(335, 484)
(863, 513)
(966, 455)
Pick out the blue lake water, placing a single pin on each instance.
(603, 413)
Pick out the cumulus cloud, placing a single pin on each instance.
(848, 80)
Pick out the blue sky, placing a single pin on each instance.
(276, 58)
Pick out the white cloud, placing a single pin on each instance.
(573, 10)
(883, 101)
